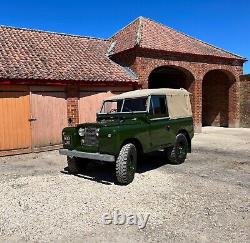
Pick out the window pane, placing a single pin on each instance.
(138, 104)
(112, 106)
(159, 105)
(130, 105)
(163, 105)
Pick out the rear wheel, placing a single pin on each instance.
(126, 164)
(178, 153)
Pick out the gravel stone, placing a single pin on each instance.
(205, 199)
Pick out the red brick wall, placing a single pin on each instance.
(72, 105)
(215, 99)
(245, 101)
(126, 58)
(143, 62)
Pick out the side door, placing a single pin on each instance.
(160, 124)
(15, 132)
(49, 116)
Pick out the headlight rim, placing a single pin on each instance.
(81, 132)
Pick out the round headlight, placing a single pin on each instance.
(81, 132)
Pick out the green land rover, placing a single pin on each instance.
(129, 125)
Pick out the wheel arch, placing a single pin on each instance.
(134, 141)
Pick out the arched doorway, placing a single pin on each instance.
(218, 93)
(170, 77)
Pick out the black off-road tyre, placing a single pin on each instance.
(126, 164)
(76, 165)
(178, 153)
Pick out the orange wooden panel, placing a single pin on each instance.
(89, 104)
(49, 108)
(15, 130)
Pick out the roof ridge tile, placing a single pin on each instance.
(139, 31)
(195, 38)
(52, 32)
(190, 45)
(118, 31)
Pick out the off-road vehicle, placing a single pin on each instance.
(129, 125)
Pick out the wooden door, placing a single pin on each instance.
(89, 104)
(49, 113)
(15, 133)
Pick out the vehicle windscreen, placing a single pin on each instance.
(126, 105)
(110, 106)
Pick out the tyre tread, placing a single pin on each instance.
(121, 164)
(172, 154)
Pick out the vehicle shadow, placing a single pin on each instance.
(151, 161)
(104, 173)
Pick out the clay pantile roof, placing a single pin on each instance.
(32, 54)
(146, 33)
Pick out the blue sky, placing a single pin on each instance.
(223, 23)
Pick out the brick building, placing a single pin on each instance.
(164, 57)
(50, 80)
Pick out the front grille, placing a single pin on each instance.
(90, 137)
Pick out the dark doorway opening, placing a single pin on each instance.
(170, 77)
(216, 94)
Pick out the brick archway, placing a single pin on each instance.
(218, 98)
(175, 77)
(171, 77)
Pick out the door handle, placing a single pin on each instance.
(32, 119)
(168, 127)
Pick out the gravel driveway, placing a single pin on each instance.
(206, 199)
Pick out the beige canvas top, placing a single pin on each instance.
(146, 92)
(177, 99)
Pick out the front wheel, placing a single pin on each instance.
(126, 164)
(178, 153)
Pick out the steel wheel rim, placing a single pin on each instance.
(181, 150)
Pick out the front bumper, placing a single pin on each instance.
(85, 155)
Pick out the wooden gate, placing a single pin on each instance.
(15, 133)
(49, 116)
(89, 104)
